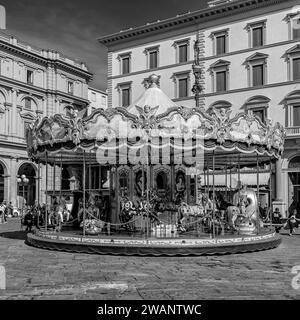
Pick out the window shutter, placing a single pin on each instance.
(257, 34)
(182, 84)
(221, 81)
(153, 59)
(296, 115)
(258, 75)
(296, 69)
(125, 97)
(183, 53)
(125, 67)
(220, 42)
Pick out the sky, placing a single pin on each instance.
(72, 27)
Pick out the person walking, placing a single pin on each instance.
(28, 220)
(276, 219)
(293, 221)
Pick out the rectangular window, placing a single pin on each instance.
(183, 49)
(296, 69)
(27, 103)
(257, 37)
(93, 96)
(29, 77)
(103, 100)
(258, 75)
(296, 116)
(220, 44)
(221, 81)
(125, 97)
(152, 59)
(125, 65)
(182, 88)
(260, 113)
(70, 87)
(296, 28)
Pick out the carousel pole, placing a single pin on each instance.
(226, 187)
(270, 194)
(61, 176)
(90, 173)
(230, 182)
(46, 212)
(239, 176)
(148, 187)
(83, 188)
(213, 215)
(53, 191)
(38, 193)
(257, 175)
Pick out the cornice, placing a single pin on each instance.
(46, 61)
(187, 19)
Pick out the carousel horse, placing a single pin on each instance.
(185, 211)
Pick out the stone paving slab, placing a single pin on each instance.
(34, 273)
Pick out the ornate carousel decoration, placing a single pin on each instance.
(152, 153)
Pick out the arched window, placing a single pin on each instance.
(294, 163)
(292, 104)
(258, 105)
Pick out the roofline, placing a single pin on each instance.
(187, 19)
(98, 90)
(42, 55)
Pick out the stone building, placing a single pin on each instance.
(33, 83)
(249, 55)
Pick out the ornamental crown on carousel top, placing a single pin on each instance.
(154, 114)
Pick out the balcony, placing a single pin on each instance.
(292, 132)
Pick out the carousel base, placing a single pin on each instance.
(72, 242)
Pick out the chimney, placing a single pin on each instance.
(2, 18)
(214, 3)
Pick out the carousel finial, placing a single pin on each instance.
(153, 81)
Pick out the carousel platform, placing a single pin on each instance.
(72, 241)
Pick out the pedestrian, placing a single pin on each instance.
(293, 221)
(28, 221)
(276, 219)
(10, 209)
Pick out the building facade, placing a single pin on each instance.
(97, 99)
(249, 55)
(33, 83)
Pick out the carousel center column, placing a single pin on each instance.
(279, 201)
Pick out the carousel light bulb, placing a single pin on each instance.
(19, 180)
(23, 176)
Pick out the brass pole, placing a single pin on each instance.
(83, 188)
(46, 212)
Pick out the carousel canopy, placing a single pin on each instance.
(155, 129)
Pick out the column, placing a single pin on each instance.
(13, 191)
(279, 201)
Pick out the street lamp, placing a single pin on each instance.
(23, 181)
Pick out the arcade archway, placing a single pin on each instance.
(27, 192)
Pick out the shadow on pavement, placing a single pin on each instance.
(17, 235)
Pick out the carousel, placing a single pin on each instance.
(142, 180)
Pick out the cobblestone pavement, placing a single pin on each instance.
(33, 273)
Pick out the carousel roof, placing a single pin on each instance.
(153, 97)
(156, 119)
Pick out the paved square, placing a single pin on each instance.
(33, 273)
